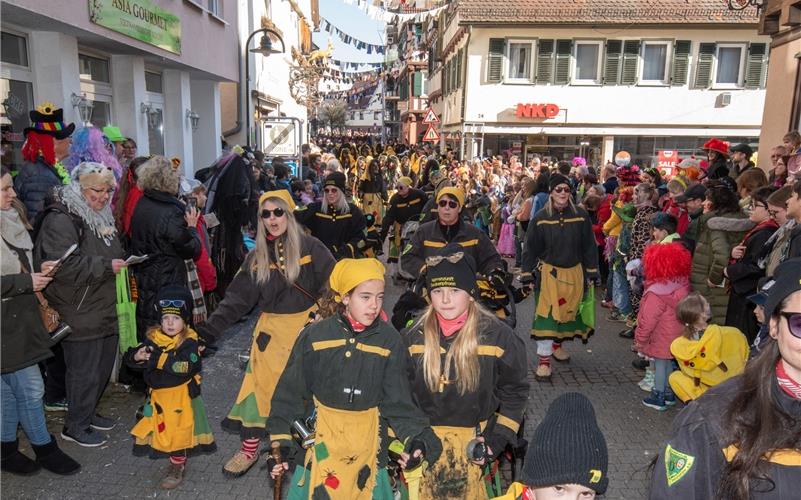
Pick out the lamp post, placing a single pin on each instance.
(265, 48)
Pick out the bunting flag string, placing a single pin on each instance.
(379, 13)
(329, 28)
(354, 67)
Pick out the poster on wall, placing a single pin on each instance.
(140, 19)
(667, 161)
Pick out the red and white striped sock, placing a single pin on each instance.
(178, 459)
(250, 447)
(545, 360)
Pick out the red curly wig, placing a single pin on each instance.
(666, 262)
(37, 145)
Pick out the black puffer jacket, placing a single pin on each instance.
(83, 291)
(33, 184)
(158, 229)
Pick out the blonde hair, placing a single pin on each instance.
(549, 206)
(689, 310)
(157, 174)
(262, 263)
(463, 354)
(182, 335)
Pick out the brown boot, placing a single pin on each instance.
(173, 476)
(561, 355)
(239, 464)
(543, 373)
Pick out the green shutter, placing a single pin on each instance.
(404, 88)
(614, 49)
(544, 62)
(756, 66)
(631, 58)
(459, 69)
(703, 69)
(417, 91)
(454, 73)
(443, 74)
(680, 69)
(564, 48)
(497, 46)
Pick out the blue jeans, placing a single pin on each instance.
(662, 370)
(22, 393)
(620, 291)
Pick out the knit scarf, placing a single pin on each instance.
(14, 233)
(101, 222)
(788, 385)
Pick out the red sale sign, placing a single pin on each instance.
(667, 161)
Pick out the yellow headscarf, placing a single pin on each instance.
(278, 193)
(350, 273)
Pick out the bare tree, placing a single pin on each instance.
(333, 113)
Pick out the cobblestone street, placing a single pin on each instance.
(600, 369)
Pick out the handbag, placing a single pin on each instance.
(587, 307)
(126, 312)
(50, 317)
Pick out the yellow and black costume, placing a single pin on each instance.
(372, 190)
(285, 310)
(402, 209)
(355, 383)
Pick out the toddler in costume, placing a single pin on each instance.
(174, 420)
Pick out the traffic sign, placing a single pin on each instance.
(431, 135)
(280, 140)
(431, 117)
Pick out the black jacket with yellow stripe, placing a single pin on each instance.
(342, 233)
(347, 370)
(503, 385)
(432, 236)
(403, 209)
(276, 296)
(696, 453)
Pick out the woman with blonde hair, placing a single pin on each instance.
(283, 276)
(468, 375)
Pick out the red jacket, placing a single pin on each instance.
(604, 212)
(657, 325)
(206, 273)
(681, 215)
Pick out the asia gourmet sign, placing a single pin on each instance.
(139, 19)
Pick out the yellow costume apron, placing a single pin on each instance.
(273, 339)
(372, 203)
(453, 476)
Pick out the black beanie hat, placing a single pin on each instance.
(555, 180)
(440, 271)
(336, 179)
(567, 447)
(176, 300)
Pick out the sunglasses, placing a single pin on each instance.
(436, 259)
(793, 323)
(266, 213)
(448, 203)
(561, 189)
(171, 303)
(331, 190)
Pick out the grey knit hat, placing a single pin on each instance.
(567, 447)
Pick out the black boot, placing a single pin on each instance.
(15, 462)
(51, 458)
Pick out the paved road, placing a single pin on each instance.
(600, 369)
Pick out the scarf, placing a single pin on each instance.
(788, 385)
(778, 236)
(15, 234)
(101, 222)
(450, 326)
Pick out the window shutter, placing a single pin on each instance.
(703, 69)
(756, 66)
(612, 62)
(459, 69)
(497, 46)
(404, 88)
(544, 62)
(680, 69)
(444, 76)
(562, 70)
(418, 84)
(631, 56)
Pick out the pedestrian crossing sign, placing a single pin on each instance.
(431, 135)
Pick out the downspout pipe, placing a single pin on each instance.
(240, 98)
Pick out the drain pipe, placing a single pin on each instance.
(240, 98)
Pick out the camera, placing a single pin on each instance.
(60, 333)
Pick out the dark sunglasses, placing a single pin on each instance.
(171, 303)
(561, 189)
(266, 212)
(448, 203)
(793, 322)
(331, 190)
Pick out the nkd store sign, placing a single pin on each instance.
(139, 19)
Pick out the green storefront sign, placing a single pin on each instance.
(140, 19)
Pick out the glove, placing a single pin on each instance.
(496, 443)
(286, 457)
(411, 448)
(527, 279)
(207, 338)
(433, 445)
(496, 279)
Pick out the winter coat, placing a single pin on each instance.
(34, 183)
(717, 235)
(682, 216)
(718, 168)
(603, 215)
(84, 288)
(657, 325)
(159, 230)
(614, 225)
(206, 272)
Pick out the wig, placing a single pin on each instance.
(667, 262)
(88, 145)
(37, 145)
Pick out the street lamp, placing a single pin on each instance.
(265, 48)
(84, 106)
(193, 118)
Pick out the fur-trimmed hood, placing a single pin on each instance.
(731, 224)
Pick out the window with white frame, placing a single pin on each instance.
(729, 65)
(16, 95)
(519, 56)
(587, 62)
(95, 73)
(655, 62)
(214, 7)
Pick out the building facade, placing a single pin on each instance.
(564, 80)
(365, 114)
(151, 67)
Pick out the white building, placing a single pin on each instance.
(147, 66)
(365, 113)
(563, 79)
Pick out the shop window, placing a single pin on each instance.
(586, 62)
(17, 99)
(14, 49)
(729, 65)
(654, 62)
(93, 68)
(153, 82)
(96, 87)
(519, 57)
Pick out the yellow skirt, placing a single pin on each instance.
(453, 476)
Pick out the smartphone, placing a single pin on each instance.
(191, 202)
(60, 261)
